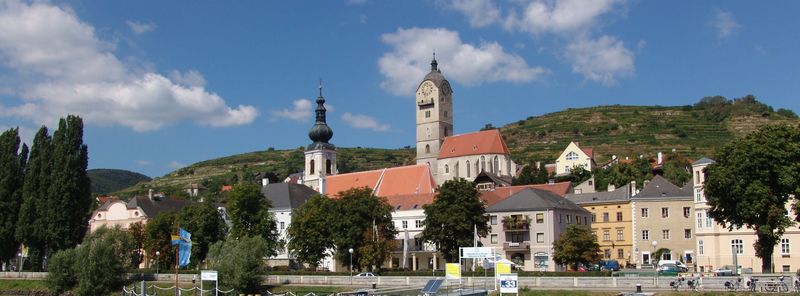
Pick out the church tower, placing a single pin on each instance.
(320, 156)
(434, 107)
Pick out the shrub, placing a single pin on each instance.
(61, 275)
(239, 262)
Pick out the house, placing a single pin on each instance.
(716, 245)
(193, 189)
(575, 156)
(115, 212)
(663, 217)
(410, 251)
(524, 226)
(611, 220)
(285, 197)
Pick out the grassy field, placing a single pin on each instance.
(22, 285)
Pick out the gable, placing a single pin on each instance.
(573, 148)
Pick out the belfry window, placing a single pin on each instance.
(328, 167)
(427, 148)
(311, 167)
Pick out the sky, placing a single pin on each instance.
(164, 84)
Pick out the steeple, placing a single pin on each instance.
(434, 64)
(320, 133)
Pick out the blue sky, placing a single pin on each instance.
(163, 84)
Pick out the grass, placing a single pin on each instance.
(22, 285)
(302, 290)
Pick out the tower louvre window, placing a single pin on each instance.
(328, 166)
(311, 167)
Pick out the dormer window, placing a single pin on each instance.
(572, 156)
(136, 213)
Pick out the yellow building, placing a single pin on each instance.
(611, 221)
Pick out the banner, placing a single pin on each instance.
(502, 268)
(477, 253)
(509, 283)
(184, 242)
(453, 271)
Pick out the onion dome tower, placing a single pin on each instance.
(320, 155)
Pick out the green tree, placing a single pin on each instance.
(158, 237)
(32, 222)
(576, 245)
(376, 248)
(138, 234)
(12, 168)
(452, 217)
(250, 215)
(69, 195)
(357, 212)
(205, 225)
(658, 254)
(676, 170)
(752, 181)
(240, 261)
(310, 234)
(531, 174)
(61, 272)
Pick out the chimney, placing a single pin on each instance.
(633, 188)
(660, 157)
(150, 193)
(538, 164)
(611, 187)
(645, 183)
(322, 185)
(264, 182)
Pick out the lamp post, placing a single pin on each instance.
(351, 265)
(157, 255)
(655, 264)
(19, 269)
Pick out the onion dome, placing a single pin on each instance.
(320, 133)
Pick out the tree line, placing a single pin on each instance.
(45, 196)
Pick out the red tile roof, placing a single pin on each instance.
(501, 193)
(589, 152)
(410, 202)
(404, 180)
(226, 188)
(482, 142)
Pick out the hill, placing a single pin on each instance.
(110, 180)
(692, 130)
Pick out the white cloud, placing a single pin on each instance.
(140, 27)
(189, 78)
(142, 162)
(301, 111)
(559, 16)
(465, 63)
(364, 122)
(67, 69)
(602, 60)
(176, 165)
(725, 23)
(26, 134)
(480, 13)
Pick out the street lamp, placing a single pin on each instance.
(157, 255)
(19, 269)
(652, 257)
(351, 265)
(655, 265)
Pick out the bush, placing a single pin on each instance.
(240, 262)
(61, 275)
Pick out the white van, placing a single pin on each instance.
(677, 263)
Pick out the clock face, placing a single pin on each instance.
(427, 89)
(446, 88)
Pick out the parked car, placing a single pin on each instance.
(612, 265)
(681, 266)
(669, 269)
(365, 274)
(726, 270)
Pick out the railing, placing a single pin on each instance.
(511, 246)
(517, 225)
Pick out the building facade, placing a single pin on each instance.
(574, 156)
(467, 155)
(611, 221)
(434, 113)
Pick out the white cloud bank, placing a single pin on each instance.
(364, 122)
(462, 62)
(67, 69)
(301, 111)
(139, 28)
(602, 60)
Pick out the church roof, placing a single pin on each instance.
(482, 142)
(286, 196)
(404, 180)
(435, 75)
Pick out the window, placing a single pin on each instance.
(620, 235)
(493, 220)
(607, 253)
(606, 235)
(282, 225)
(619, 216)
(427, 148)
(572, 156)
(311, 167)
(497, 165)
(698, 194)
(446, 169)
(686, 212)
(687, 233)
(697, 177)
(428, 114)
(620, 253)
(605, 217)
(664, 212)
(494, 238)
(567, 169)
(483, 164)
(737, 246)
(594, 217)
(405, 224)
(560, 218)
(700, 247)
(418, 223)
(785, 248)
(578, 219)
(699, 220)
(645, 212)
(540, 238)
(569, 219)
(665, 234)
(328, 166)
(708, 221)
(539, 218)
(468, 169)
(645, 234)
(786, 268)
(516, 237)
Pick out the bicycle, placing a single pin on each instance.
(733, 286)
(751, 284)
(677, 284)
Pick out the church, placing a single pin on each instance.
(441, 156)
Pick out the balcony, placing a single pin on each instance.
(516, 223)
(516, 246)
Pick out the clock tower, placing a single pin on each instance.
(434, 108)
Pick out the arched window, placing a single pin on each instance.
(427, 148)
(446, 169)
(328, 167)
(483, 164)
(428, 130)
(468, 170)
(477, 168)
(311, 167)
(455, 169)
(572, 156)
(497, 165)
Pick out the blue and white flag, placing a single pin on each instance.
(184, 242)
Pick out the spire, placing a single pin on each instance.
(434, 64)
(320, 133)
